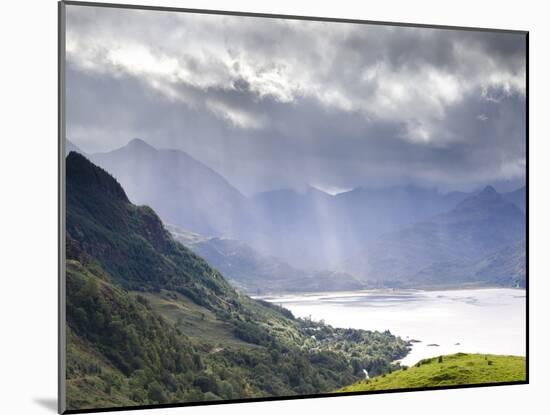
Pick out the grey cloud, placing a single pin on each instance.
(272, 104)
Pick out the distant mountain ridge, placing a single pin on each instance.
(309, 229)
(478, 226)
(255, 273)
(348, 233)
(298, 226)
(183, 190)
(518, 197)
(505, 267)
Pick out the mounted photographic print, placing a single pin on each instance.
(261, 207)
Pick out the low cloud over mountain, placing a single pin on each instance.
(273, 104)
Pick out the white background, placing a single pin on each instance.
(28, 191)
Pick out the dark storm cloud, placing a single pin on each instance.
(273, 104)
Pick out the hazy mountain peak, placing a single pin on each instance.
(488, 199)
(483, 223)
(139, 143)
(488, 190)
(315, 191)
(183, 190)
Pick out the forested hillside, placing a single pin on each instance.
(151, 322)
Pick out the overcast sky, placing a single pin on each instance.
(272, 103)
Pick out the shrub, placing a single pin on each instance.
(155, 393)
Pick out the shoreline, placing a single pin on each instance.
(348, 293)
(386, 306)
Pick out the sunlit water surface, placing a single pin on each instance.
(471, 320)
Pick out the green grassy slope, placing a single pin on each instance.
(195, 321)
(457, 369)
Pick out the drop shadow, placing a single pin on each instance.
(48, 403)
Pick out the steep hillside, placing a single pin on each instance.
(130, 349)
(476, 227)
(149, 321)
(118, 351)
(518, 197)
(504, 267)
(457, 369)
(131, 243)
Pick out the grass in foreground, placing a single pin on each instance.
(457, 369)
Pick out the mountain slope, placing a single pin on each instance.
(477, 226)
(504, 267)
(517, 197)
(388, 208)
(308, 229)
(113, 340)
(149, 321)
(457, 369)
(181, 189)
(253, 272)
(299, 226)
(130, 241)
